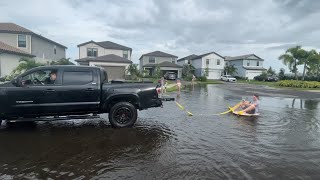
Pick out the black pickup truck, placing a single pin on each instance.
(66, 91)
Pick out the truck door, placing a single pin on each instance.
(81, 91)
(36, 94)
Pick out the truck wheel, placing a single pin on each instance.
(123, 114)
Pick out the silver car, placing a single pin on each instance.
(170, 75)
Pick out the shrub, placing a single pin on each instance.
(202, 78)
(299, 84)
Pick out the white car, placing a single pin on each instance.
(228, 78)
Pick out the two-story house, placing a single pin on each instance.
(17, 42)
(166, 62)
(248, 66)
(113, 57)
(210, 65)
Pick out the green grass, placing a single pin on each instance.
(210, 82)
(273, 84)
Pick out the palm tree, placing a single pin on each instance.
(26, 64)
(314, 63)
(291, 58)
(230, 69)
(304, 59)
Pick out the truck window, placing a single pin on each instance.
(77, 77)
(41, 77)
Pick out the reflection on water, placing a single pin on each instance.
(165, 143)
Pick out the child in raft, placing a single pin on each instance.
(248, 107)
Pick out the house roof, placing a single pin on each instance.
(107, 45)
(107, 58)
(188, 57)
(254, 68)
(229, 58)
(200, 56)
(10, 49)
(163, 64)
(158, 54)
(14, 28)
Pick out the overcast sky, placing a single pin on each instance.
(236, 27)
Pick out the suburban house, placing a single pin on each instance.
(113, 57)
(17, 42)
(248, 66)
(166, 62)
(186, 60)
(210, 65)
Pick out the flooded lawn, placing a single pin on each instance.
(283, 143)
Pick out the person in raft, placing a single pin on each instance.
(248, 107)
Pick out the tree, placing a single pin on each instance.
(291, 59)
(187, 70)
(230, 69)
(157, 72)
(206, 72)
(63, 61)
(314, 63)
(133, 70)
(270, 71)
(26, 64)
(304, 59)
(281, 73)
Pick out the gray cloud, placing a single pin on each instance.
(180, 27)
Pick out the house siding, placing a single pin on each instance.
(12, 40)
(44, 50)
(8, 62)
(214, 70)
(101, 51)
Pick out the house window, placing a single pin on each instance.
(218, 61)
(189, 62)
(248, 63)
(258, 63)
(152, 59)
(92, 52)
(125, 54)
(207, 62)
(22, 40)
(173, 60)
(55, 49)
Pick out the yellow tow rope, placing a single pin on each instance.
(190, 114)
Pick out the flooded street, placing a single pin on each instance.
(165, 143)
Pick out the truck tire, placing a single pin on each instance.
(123, 114)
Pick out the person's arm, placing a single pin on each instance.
(250, 108)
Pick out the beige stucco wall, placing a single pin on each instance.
(12, 40)
(8, 62)
(101, 51)
(126, 65)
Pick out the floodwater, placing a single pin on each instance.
(165, 143)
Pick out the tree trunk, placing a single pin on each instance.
(304, 71)
(318, 72)
(295, 69)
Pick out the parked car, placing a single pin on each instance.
(170, 75)
(272, 79)
(75, 91)
(228, 78)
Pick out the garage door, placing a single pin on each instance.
(115, 72)
(252, 74)
(214, 74)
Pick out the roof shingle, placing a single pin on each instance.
(200, 56)
(229, 58)
(10, 49)
(108, 45)
(107, 58)
(14, 28)
(188, 57)
(159, 54)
